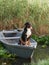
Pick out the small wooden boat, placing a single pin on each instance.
(10, 40)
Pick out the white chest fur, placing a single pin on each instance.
(28, 32)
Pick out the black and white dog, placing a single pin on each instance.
(25, 38)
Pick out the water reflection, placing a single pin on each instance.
(15, 61)
(21, 61)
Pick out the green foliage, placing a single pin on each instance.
(44, 40)
(43, 62)
(4, 53)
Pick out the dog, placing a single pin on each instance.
(26, 34)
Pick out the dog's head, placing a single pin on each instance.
(28, 25)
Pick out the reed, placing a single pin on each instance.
(18, 12)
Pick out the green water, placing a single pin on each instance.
(39, 54)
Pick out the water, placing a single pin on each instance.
(39, 54)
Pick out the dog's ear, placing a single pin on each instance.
(27, 23)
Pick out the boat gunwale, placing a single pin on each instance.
(21, 46)
(4, 42)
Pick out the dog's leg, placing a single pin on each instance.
(28, 43)
(22, 42)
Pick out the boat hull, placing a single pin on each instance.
(23, 52)
(12, 46)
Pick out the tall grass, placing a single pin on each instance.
(43, 62)
(39, 15)
(35, 11)
(12, 8)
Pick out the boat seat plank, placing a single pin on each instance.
(15, 31)
(9, 38)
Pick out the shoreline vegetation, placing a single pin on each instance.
(13, 14)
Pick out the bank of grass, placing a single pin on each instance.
(43, 62)
(15, 13)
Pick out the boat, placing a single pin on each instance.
(10, 41)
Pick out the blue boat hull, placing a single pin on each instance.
(13, 47)
(20, 51)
